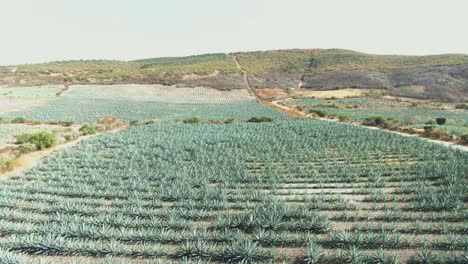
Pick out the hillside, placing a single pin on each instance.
(443, 77)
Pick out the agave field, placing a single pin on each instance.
(285, 191)
(140, 102)
(31, 92)
(358, 102)
(358, 109)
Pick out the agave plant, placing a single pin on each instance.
(313, 253)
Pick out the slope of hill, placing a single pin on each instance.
(442, 77)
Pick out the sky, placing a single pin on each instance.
(33, 31)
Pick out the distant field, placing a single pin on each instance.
(359, 102)
(412, 114)
(413, 117)
(32, 92)
(158, 93)
(140, 102)
(248, 193)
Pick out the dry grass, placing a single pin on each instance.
(338, 94)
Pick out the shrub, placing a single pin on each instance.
(18, 120)
(67, 123)
(429, 126)
(434, 133)
(343, 117)
(230, 121)
(42, 140)
(4, 164)
(25, 148)
(320, 113)
(461, 106)
(260, 119)
(374, 121)
(192, 120)
(88, 129)
(464, 138)
(441, 120)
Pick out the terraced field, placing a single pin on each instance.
(292, 191)
(143, 102)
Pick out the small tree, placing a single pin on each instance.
(88, 129)
(441, 121)
(318, 112)
(374, 120)
(42, 140)
(343, 117)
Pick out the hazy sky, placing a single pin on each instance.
(48, 30)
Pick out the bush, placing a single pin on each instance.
(441, 120)
(67, 123)
(230, 121)
(25, 148)
(320, 113)
(18, 120)
(88, 129)
(257, 119)
(464, 138)
(429, 126)
(461, 106)
(4, 164)
(343, 117)
(42, 140)
(192, 120)
(374, 121)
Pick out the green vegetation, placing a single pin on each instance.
(320, 113)
(456, 121)
(88, 129)
(441, 120)
(201, 65)
(41, 140)
(192, 120)
(18, 120)
(374, 121)
(320, 191)
(261, 119)
(307, 61)
(343, 117)
(461, 106)
(4, 164)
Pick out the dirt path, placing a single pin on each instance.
(245, 74)
(29, 160)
